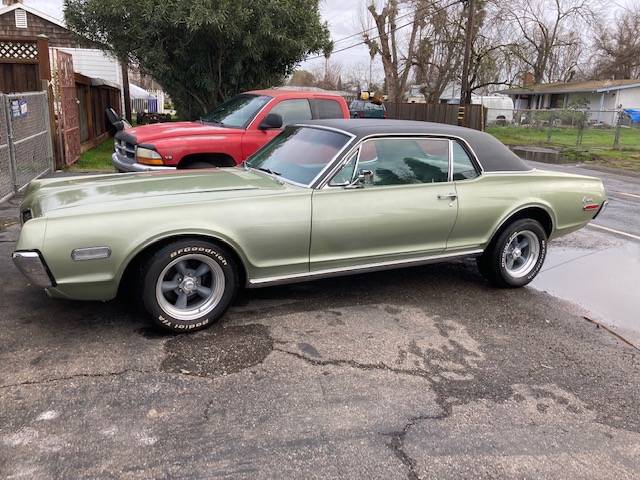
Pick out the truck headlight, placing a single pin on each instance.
(147, 156)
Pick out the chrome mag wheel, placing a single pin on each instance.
(190, 286)
(521, 254)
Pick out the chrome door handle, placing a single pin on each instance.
(448, 196)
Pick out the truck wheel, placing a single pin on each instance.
(516, 256)
(189, 284)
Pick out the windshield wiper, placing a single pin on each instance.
(215, 122)
(268, 170)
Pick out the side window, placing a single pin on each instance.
(326, 109)
(401, 161)
(463, 167)
(345, 174)
(293, 111)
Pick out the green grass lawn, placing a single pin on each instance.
(596, 148)
(96, 159)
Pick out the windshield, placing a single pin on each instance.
(238, 111)
(299, 153)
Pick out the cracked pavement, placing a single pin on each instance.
(411, 374)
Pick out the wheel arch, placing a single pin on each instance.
(536, 211)
(135, 259)
(216, 159)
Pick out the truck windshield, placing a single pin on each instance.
(238, 111)
(299, 154)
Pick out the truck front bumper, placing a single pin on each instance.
(123, 165)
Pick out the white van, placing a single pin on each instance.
(499, 107)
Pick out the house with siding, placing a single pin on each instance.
(27, 32)
(603, 98)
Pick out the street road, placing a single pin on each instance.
(411, 374)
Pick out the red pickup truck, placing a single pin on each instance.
(225, 137)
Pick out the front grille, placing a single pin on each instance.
(125, 149)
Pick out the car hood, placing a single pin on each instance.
(137, 189)
(156, 131)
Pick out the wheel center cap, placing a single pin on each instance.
(188, 285)
(517, 253)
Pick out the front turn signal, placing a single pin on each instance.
(146, 156)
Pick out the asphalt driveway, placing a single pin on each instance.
(417, 373)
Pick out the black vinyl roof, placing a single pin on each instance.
(492, 154)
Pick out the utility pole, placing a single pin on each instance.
(465, 93)
(126, 95)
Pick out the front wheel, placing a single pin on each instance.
(516, 256)
(189, 284)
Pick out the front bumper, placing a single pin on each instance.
(32, 265)
(124, 166)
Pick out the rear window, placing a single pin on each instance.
(326, 109)
(356, 105)
(373, 106)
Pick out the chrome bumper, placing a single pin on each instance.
(124, 166)
(32, 266)
(602, 208)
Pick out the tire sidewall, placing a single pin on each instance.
(176, 250)
(503, 243)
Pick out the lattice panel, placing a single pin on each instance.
(15, 50)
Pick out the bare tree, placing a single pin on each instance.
(396, 49)
(546, 32)
(438, 56)
(617, 47)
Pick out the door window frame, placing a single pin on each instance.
(326, 182)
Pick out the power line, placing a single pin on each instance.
(378, 36)
(357, 34)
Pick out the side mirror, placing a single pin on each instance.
(272, 120)
(365, 177)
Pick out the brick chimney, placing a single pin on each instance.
(527, 79)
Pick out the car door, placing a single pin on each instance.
(292, 110)
(407, 210)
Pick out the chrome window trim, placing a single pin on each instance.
(342, 164)
(332, 272)
(474, 163)
(450, 176)
(324, 184)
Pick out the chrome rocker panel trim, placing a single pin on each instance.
(352, 270)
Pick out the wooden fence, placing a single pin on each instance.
(471, 116)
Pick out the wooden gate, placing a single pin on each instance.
(68, 110)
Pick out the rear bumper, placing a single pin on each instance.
(124, 166)
(602, 208)
(32, 265)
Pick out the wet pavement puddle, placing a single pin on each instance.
(602, 279)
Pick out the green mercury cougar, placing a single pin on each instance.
(327, 198)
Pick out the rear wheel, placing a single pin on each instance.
(189, 284)
(515, 257)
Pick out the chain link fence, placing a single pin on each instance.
(577, 131)
(26, 151)
(7, 185)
